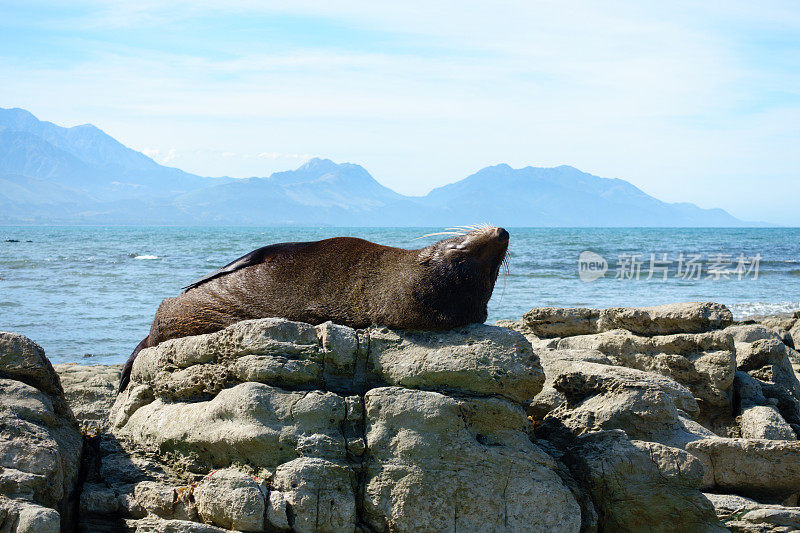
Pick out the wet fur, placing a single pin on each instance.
(349, 281)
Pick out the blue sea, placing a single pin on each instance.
(88, 294)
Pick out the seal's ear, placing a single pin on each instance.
(256, 257)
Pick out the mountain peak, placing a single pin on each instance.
(317, 163)
(88, 127)
(87, 142)
(319, 166)
(15, 118)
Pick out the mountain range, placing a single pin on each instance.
(80, 175)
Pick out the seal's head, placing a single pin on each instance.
(466, 267)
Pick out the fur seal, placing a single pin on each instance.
(349, 281)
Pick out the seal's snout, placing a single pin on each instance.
(501, 234)
(488, 244)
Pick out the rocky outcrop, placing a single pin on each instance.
(92, 389)
(642, 486)
(721, 397)
(548, 322)
(440, 463)
(278, 425)
(569, 420)
(40, 444)
(743, 515)
(768, 470)
(705, 363)
(782, 324)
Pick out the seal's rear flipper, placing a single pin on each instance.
(126, 371)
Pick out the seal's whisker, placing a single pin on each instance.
(462, 228)
(505, 266)
(437, 233)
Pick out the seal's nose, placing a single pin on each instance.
(501, 234)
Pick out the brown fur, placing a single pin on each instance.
(349, 281)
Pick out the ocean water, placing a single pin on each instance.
(88, 294)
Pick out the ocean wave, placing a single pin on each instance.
(146, 257)
(748, 309)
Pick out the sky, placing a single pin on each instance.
(690, 101)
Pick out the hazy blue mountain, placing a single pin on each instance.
(563, 196)
(81, 175)
(324, 183)
(26, 154)
(87, 159)
(25, 190)
(320, 192)
(86, 142)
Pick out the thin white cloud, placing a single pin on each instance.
(160, 156)
(279, 155)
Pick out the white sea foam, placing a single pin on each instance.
(748, 309)
(146, 257)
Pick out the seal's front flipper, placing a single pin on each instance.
(125, 378)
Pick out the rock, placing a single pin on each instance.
(703, 362)
(778, 322)
(24, 517)
(765, 422)
(749, 333)
(642, 486)
(659, 320)
(555, 363)
(773, 519)
(480, 359)
(23, 360)
(231, 499)
(90, 391)
(596, 370)
(477, 359)
(270, 350)
(40, 444)
(315, 495)
(747, 390)
(549, 322)
(437, 463)
(743, 515)
(643, 409)
(250, 423)
(768, 362)
(98, 499)
(727, 504)
(169, 502)
(452, 428)
(762, 469)
(281, 426)
(783, 327)
(278, 511)
(157, 525)
(794, 333)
